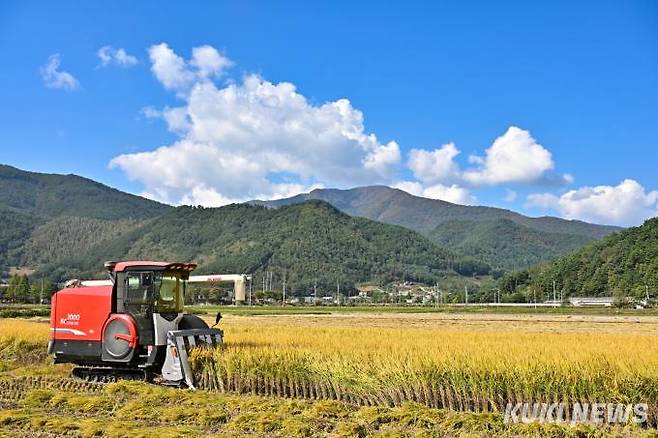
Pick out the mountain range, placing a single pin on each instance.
(502, 238)
(66, 225)
(46, 217)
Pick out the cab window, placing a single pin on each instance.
(140, 288)
(171, 294)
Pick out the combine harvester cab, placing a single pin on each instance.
(131, 326)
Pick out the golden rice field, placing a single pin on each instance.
(458, 362)
(350, 375)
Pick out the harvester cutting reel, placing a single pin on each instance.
(176, 366)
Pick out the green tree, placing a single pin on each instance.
(10, 293)
(23, 289)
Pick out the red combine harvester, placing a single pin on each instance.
(130, 327)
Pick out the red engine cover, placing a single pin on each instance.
(79, 313)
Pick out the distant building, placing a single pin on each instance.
(591, 301)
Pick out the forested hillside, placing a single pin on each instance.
(546, 237)
(48, 196)
(504, 244)
(69, 235)
(307, 243)
(15, 229)
(46, 217)
(625, 263)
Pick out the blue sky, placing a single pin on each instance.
(542, 108)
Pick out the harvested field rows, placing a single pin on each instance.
(133, 409)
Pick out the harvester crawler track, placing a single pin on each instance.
(108, 375)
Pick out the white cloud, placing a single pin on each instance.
(514, 157)
(628, 203)
(382, 157)
(206, 196)
(108, 55)
(55, 78)
(176, 118)
(179, 75)
(436, 165)
(510, 195)
(452, 193)
(209, 62)
(169, 68)
(240, 141)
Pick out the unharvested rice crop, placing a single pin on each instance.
(477, 366)
(22, 341)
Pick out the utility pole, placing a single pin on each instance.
(284, 288)
(338, 292)
(466, 295)
(554, 294)
(251, 283)
(315, 291)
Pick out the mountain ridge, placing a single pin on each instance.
(66, 226)
(522, 242)
(50, 195)
(82, 214)
(77, 211)
(351, 200)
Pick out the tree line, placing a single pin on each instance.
(21, 290)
